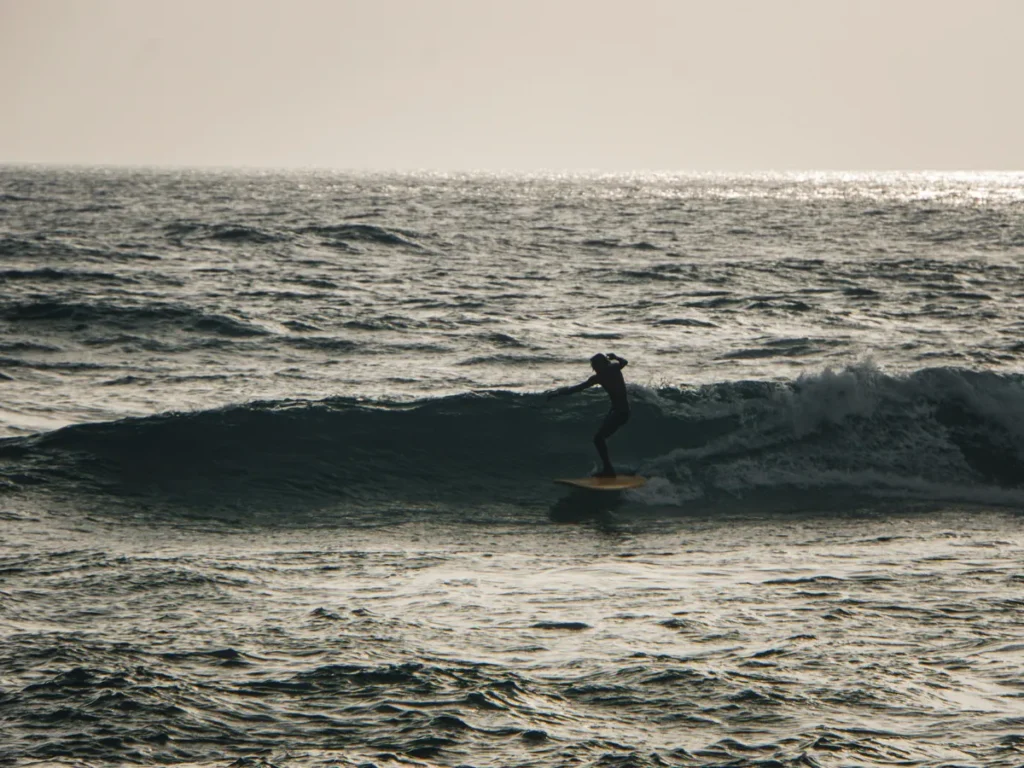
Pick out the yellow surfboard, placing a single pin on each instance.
(617, 483)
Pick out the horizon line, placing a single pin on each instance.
(438, 171)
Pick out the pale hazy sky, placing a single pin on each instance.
(610, 85)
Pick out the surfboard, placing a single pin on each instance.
(617, 483)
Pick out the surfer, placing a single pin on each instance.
(607, 373)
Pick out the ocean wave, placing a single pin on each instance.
(329, 344)
(48, 248)
(501, 340)
(687, 322)
(133, 318)
(834, 437)
(641, 245)
(80, 694)
(772, 347)
(49, 274)
(341, 235)
(14, 246)
(20, 345)
(509, 359)
(179, 231)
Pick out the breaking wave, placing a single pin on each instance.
(938, 434)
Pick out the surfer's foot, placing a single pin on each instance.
(607, 472)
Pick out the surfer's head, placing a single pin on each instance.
(599, 362)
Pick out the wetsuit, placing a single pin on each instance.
(610, 379)
(607, 373)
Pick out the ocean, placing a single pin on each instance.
(276, 465)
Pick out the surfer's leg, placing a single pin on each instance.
(607, 470)
(612, 422)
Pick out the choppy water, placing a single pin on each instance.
(276, 470)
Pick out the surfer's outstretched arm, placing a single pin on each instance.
(572, 390)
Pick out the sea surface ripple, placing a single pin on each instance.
(276, 463)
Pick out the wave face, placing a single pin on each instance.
(937, 434)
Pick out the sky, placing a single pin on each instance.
(515, 85)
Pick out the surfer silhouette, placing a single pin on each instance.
(607, 373)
